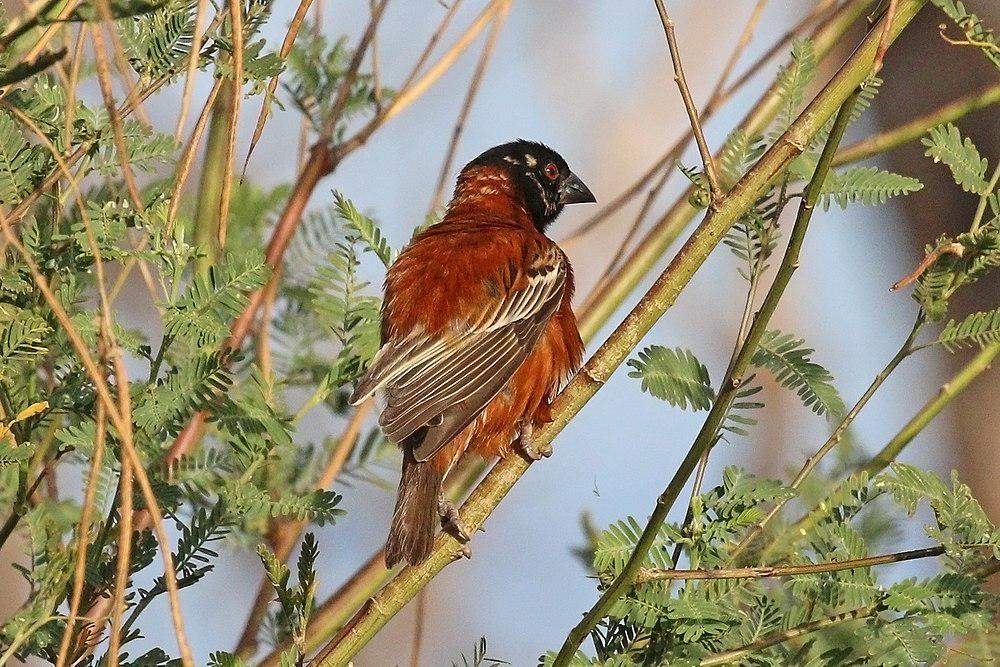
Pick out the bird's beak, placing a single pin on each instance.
(573, 191)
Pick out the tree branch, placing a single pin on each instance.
(689, 106)
(646, 575)
(731, 384)
(904, 351)
(782, 636)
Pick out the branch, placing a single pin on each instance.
(731, 384)
(945, 394)
(916, 128)
(647, 254)
(892, 449)
(646, 575)
(782, 636)
(692, 111)
(904, 351)
(616, 349)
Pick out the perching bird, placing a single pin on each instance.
(478, 333)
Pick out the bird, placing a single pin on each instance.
(478, 333)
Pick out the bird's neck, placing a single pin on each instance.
(488, 191)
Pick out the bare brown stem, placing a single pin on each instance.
(699, 136)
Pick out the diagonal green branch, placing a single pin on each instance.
(782, 636)
(729, 387)
(400, 590)
(944, 396)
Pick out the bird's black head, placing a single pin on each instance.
(539, 176)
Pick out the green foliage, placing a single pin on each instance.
(865, 185)
(737, 155)
(946, 144)
(317, 70)
(786, 357)
(20, 162)
(480, 657)
(212, 299)
(296, 602)
(158, 42)
(366, 229)
(675, 376)
(980, 329)
(754, 237)
(793, 79)
(900, 621)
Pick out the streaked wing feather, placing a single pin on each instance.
(442, 392)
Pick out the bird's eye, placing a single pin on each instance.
(551, 171)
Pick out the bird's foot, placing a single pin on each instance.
(526, 444)
(452, 522)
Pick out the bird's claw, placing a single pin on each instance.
(452, 522)
(526, 444)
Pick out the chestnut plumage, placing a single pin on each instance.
(478, 333)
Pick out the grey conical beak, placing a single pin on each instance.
(573, 191)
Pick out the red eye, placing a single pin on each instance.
(551, 171)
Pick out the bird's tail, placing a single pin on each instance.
(415, 519)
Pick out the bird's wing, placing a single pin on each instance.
(437, 386)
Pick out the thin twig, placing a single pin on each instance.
(883, 42)
(104, 79)
(192, 68)
(418, 628)
(83, 535)
(286, 47)
(646, 575)
(956, 249)
(681, 145)
(236, 23)
(692, 111)
(782, 636)
(123, 562)
(351, 74)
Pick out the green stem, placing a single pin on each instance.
(774, 571)
(206, 217)
(782, 636)
(728, 389)
(944, 396)
(904, 351)
(981, 208)
(918, 127)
